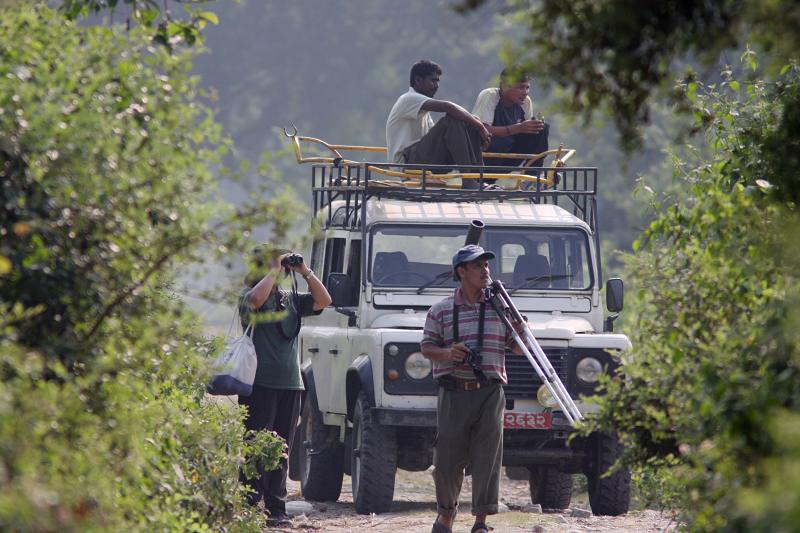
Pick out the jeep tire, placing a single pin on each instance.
(373, 462)
(608, 494)
(321, 456)
(550, 488)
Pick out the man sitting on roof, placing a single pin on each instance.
(412, 137)
(507, 112)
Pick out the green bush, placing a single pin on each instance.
(107, 159)
(715, 354)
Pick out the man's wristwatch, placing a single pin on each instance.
(308, 274)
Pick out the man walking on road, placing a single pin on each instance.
(469, 419)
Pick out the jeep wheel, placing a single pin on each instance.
(374, 461)
(608, 495)
(321, 456)
(550, 488)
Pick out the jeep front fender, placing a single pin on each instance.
(307, 373)
(359, 377)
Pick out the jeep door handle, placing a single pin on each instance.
(313, 350)
(333, 351)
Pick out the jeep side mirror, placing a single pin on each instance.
(340, 287)
(614, 299)
(614, 295)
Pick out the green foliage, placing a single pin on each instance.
(168, 30)
(716, 351)
(107, 155)
(615, 55)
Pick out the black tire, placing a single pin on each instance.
(550, 488)
(608, 495)
(320, 457)
(374, 461)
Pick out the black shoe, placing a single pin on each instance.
(279, 519)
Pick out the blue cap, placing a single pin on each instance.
(469, 253)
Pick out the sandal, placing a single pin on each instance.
(438, 527)
(480, 527)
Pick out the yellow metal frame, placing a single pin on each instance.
(413, 177)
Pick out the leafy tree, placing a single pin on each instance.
(613, 55)
(716, 351)
(168, 28)
(108, 154)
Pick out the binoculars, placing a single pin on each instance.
(292, 260)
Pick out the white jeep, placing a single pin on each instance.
(385, 256)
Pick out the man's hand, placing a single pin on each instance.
(278, 267)
(486, 136)
(458, 352)
(301, 269)
(528, 126)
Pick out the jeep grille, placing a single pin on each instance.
(522, 379)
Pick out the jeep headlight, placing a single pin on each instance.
(418, 366)
(546, 399)
(589, 370)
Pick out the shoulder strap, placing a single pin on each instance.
(481, 320)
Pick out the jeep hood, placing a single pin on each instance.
(543, 326)
(547, 326)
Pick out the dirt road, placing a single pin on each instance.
(414, 510)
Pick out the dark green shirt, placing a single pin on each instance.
(276, 342)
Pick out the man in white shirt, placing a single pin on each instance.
(507, 112)
(413, 138)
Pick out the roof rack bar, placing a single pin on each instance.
(356, 184)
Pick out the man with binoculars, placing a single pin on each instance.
(277, 389)
(466, 340)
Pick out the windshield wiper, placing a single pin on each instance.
(534, 279)
(437, 280)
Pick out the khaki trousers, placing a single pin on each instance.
(469, 432)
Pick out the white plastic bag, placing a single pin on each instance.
(235, 369)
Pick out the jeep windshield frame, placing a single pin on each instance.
(408, 255)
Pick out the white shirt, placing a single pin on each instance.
(488, 100)
(407, 124)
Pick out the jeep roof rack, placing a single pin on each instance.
(353, 184)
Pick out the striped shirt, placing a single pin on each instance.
(439, 332)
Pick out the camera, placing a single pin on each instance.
(474, 360)
(291, 260)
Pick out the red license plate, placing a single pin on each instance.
(515, 420)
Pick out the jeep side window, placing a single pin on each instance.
(354, 269)
(334, 257)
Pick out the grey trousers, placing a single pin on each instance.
(449, 142)
(469, 430)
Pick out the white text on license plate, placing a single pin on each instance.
(542, 420)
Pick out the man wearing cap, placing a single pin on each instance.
(469, 410)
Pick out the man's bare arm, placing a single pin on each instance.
(458, 113)
(456, 353)
(526, 126)
(319, 293)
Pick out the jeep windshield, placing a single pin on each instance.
(411, 255)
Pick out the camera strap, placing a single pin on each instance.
(481, 317)
(292, 308)
(476, 365)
